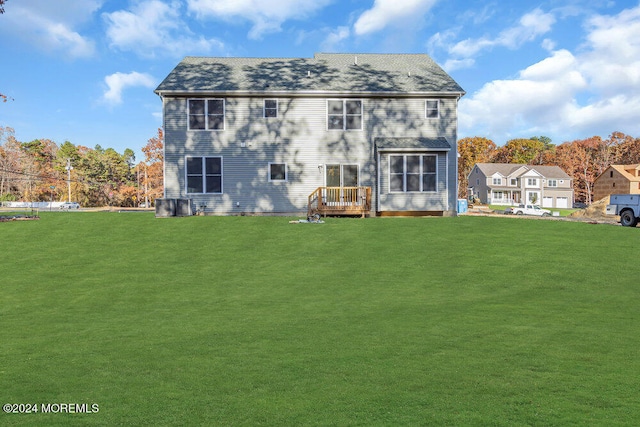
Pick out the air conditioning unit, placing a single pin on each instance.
(165, 208)
(184, 207)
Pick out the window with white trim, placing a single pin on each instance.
(206, 114)
(344, 114)
(277, 172)
(497, 180)
(204, 175)
(270, 108)
(413, 173)
(552, 183)
(432, 109)
(532, 182)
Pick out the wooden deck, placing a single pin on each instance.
(340, 201)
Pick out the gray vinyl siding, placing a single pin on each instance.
(299, 138)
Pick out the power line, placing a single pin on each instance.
(48, 177)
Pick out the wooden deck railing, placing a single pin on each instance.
(340, 201)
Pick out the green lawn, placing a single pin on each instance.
(383, 321)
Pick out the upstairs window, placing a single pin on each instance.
(270, 108)
(412, 173)
(432, 109)
(532, 182)
(344, 114)
(206, 114)
(497, 180)
(552, 183)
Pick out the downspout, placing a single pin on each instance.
(455, 138)
(446, 171)
(164, 149)
(378, 185)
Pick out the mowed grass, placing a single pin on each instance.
(384, 321)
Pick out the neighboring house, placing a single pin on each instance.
(261, 135)
(617, 179)
(512, 184)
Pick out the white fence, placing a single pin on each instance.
(32, 205)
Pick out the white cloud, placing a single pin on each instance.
(540, 97)
(458, 64)
(548, 44)
(595, 91)
(51, 25)
(612, 60)
(267, 16)
(618, 113)
(335, 37)
(530, 26)
(385, 13)
(118, 82)
(152, 26)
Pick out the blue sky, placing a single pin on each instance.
(84, 71)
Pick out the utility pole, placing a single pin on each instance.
(69, 180)
(146, 188)
(69, 167)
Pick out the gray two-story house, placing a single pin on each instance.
(512, 184)
(276, 135)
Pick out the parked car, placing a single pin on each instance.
(70, 205)
(531, 210)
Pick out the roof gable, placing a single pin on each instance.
(627, 171)
(532, 173)
(359, 73)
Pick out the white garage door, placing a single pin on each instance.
(562, 202)
(547, 202)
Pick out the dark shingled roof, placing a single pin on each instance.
(360, 73)
(440, 143)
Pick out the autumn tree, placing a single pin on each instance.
(519, 150)
(151, 171)
(624, 148)
(37, 166)
(471, 151)
(9, 165)
(584, 160)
